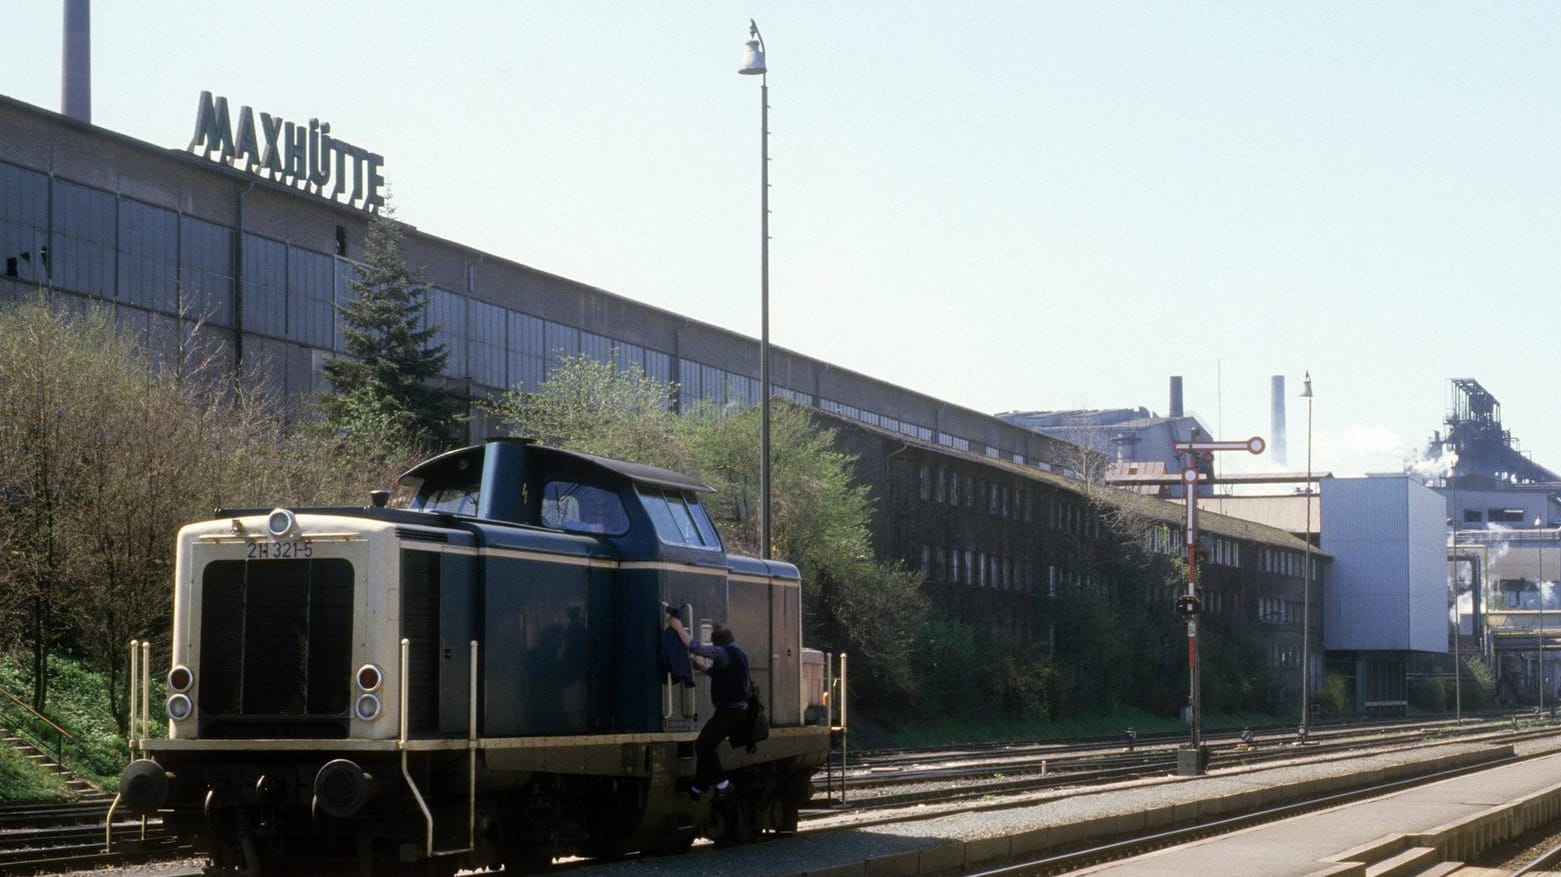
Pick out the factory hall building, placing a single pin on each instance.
(254, 259)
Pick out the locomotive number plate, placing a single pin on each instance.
(279, 549)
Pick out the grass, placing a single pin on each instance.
(23, 783)
(77, 704)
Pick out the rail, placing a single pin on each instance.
(30, 715)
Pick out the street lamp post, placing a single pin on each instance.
(1540, 589)
(753, 65)
(1306, 572)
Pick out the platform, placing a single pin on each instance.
(1450, 820)
(1341, 842)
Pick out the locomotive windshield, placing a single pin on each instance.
(679, 518)
(583, 508)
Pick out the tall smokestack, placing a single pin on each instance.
(1276, 439)
(1176, 396)
(76, 78)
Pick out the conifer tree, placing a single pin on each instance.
(385, 392)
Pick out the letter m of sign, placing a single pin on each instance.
(213, 130)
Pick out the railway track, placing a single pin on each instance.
(58, 838)
(882, 787)
(903, 780)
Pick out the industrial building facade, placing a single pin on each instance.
(180, 244)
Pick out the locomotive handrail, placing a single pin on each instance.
(471, 750)
(666, 678)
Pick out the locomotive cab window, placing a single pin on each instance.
(456, 500)
(679, 518)
(583, 508)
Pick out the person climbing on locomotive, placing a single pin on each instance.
(728, 672)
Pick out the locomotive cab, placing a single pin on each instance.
(477, 676)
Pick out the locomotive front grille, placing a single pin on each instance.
(276, 648)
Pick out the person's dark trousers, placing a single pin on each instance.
(707, 767)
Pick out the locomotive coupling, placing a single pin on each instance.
(143, 787)
(341, 788)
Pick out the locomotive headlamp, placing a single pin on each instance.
(179, 707)
(180, 678)
(281, 523)
(369, 677)
(367, 707)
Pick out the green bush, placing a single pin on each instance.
(1333, 698)
(1478, 685)
(1427, 693)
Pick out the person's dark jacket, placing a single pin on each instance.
(728, 674)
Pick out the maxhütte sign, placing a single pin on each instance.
(302, 156)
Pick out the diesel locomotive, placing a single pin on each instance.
(478, 674)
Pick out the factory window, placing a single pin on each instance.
(938, 487)
(485, 344)
(149, 257)
(84, 232)
(926, 481)
(628, 357)
(1505, 516)
(954, 488)
(264, 281)
(1473, 516)
(596, 347)
(658, 365)
(311, 297)
(527, 348)
(562, 341)
(445, 313)
(206, 270)
(24, 223)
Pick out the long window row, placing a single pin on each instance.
(942, 486)
(882, 421)
(1276, 610)
(119, 249)
(981, 569)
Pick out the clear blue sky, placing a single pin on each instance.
(1007, 205)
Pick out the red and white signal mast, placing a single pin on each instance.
(1193, 760)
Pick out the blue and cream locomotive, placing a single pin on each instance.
(474, 679)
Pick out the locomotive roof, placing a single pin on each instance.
(639, 473)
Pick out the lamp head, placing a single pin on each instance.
(1306, 391)
(753, 57)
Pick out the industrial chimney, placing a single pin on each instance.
(76, 72)
(1176, 396)
(1276, 438)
